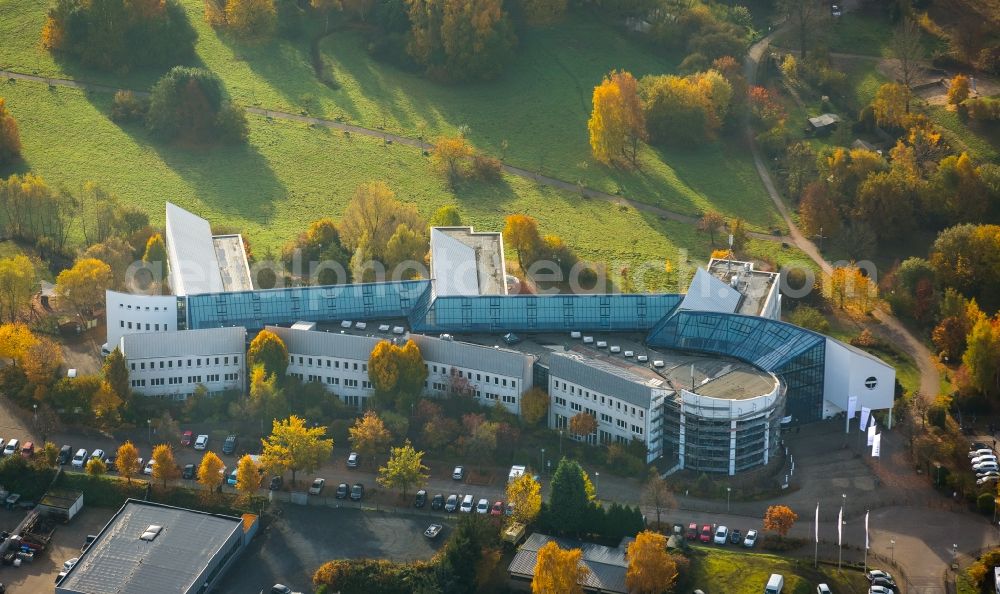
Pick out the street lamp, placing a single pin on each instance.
(843, 505)
(560, 443)
(149, 430)
(597, 483)
(892, 551)
(34, 412)
(728, 491)
(543, 459)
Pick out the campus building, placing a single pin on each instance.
(174, 364)
(704, 379)
(149, 548)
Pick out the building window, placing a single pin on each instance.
(560, 401)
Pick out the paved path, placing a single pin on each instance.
(411, 142)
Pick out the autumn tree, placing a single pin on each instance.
(907, 49)
(460, 39)
(10, 138)
(368, 436)
(295, 446)
(446, 216)
(43, 357)
(780, 519)
(558, 570)
(114, 370)
(96, 467)
(83, 285)
(404, 469)
(582, 424)
(818, 212)
(525, 494)
(318, 253)
(958, 89)
(889, 105)
(850, 287)
(538, 12)
(651, 570)
(251, 18)
(534, 405)
(267, 349)
(372, 218)
(127, 460)
(248, 477)
(397, 372)
(164, 466)
(711, 222)
(210, 471)
(607, 123)
(17, 282)
(451, 155)
(982, 355)
(190, 104)
(684, 110)
(658, 495)
(156, 252)
(521, 232)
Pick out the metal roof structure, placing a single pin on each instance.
(233, 265)
(473, 356)
(631, 383)
(708, 293)
(827, 119)
(199, 262)
(755, 286)
(326, 344)
(464, 262)
(120, 561)
(184, 343)
(606, 566)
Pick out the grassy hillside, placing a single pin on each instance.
(290, 174)
(539, 108)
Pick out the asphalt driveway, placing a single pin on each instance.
(302, 538)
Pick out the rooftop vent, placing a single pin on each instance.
(151, 532)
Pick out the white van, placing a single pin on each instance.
(775, 584)
(466, 504)
(616, 349)
(11, 448)
(80, 458)
(602, 344)
(642, 358)
(588, 340)
(629, 353)
(574, 334)
(657, 363)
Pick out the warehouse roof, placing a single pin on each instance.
(606, 566)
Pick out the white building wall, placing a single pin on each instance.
(487, 388)
(136, 314)
(848, 373)
(618, 421)
(345, 377)
(177, 377)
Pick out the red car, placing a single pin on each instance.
(28, 450)
(497, 509)
(186, 438)
(692, 531)
(706, 533)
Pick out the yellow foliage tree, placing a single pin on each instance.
(890, 103)
(780, 519)
(127, 460)
(164, 465)
(534, 405)
(301, 448)
(958, 89)
(96, 466)
(368, 436)
(521, 232)
(42, 361)
(451, 156)
(651, 570)
(210, 472)
(849, 287)
(404, 469)
(83, 285)
(558, 570)
(15, 341)
(525, 494)
(608, 126)
(251, 18)
(10, 138)
(248, 477)
(17, 281)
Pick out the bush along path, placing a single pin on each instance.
(389, 138)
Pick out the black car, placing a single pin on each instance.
(65, 455)
(736, 537)
(437, 502)
(342, 491)
(357, 492)
(188, 472)
(421, 499)
(276, 482)
(885, 583)
(110, 462)
(229, 446)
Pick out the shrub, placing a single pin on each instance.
(866, 340)
(188, 103)
(773, 542)
(810, 318)
(983, 108)
(486, 168)
(126, 107)
(232, 124)
(937, 413)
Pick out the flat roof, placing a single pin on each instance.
(233, 265)
(201, 262)
(184, 343)
(607, 566)
(464, 262)
(120, 561)
(754, 285)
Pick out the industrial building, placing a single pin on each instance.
(704, 379)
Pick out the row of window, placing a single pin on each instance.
(138, 308)
(149, 327)
(197, 362)
(604, 418)
(330, 363)
(178, 380)
(497, 381)
(607, 401)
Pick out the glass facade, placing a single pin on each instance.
(538, 313)
(255, 309)
(794, 354)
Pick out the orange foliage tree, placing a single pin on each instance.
(780, 519)
(651, 570)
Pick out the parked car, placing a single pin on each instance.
(884, 582)
(86, 543)
(282, 589)
(874, 574)
(483, 507)
(437, 502)
(990, 476)
(201, 442)
(433, 531)
(357, 492)
(80, 458)
(112, 462)
(979, 452)
(11, 448)
(317, 486)
(458, 474)
(421, 498)
(984, 467)
(692, 531)
(984, 458)
(276, 483)
(452, 503)
(880, 590)
(751, 539)
(231, 479)
(466, 504)
(28, 450)
(353, 460)
(509, 510)
(229, 446)
(99, 454)
(341, 491)
(148, 469)
(706, 533)
(188, 472)
(736, 537)
(721, 535)
(497, 509)
(186, 438)
(68, 565)
(65, 455)
(823, 589)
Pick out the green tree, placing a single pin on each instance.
(189, 103)
(568, 500)
(404, 469)
(446, 216)
(252, 18)
(17, 282)
(267, 349)
(115, 373)
(460, 39)
(10, 138)
(297, 446)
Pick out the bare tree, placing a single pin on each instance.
(907, 48)
(801, 14)
(658, 495)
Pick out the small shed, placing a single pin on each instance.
(824, 124)
(863, 144)
(61, 504)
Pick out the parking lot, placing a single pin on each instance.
(40, 574)
(302, 538)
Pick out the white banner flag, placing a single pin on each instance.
(877, 445)
(852, 406)
(865, 413)
(816, 523)
(840, 526)
(872, 423)
(867, 546)
(871, 435)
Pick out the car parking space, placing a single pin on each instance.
(291, 546)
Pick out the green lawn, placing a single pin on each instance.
(290, 174)
(539, 108)
(981, 142)
(740, 572)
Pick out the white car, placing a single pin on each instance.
(201, 443)
(466, 504)
(317, 486)
(980, 452)
(483, 507)
(880, 590)
(823, 589)
(984, 458)
(986, 465)
(721, 535)
(992, 476)
(148, 469)
(68, 565)
(99, 454)
(751, 539)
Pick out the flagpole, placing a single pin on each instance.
(816, 530)
(840, 537)
(866, 541)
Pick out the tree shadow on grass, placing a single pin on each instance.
(484, 196)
